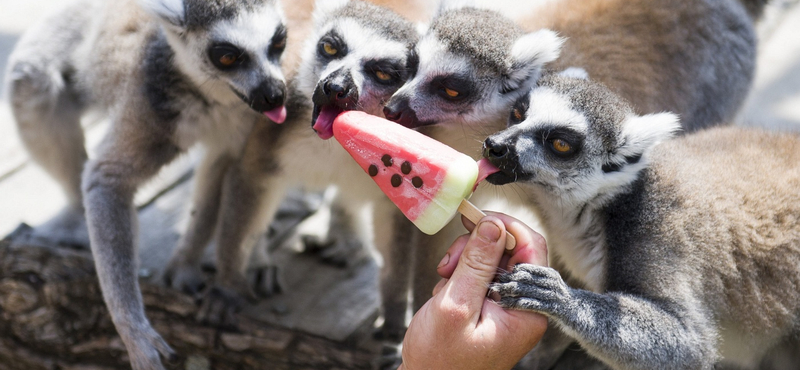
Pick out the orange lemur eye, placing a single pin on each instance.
(329, 49)
(517, 114)
(451, 93)
(227, 60)
(383, 76)
(561, 146)
(280, 44)
(226, 56)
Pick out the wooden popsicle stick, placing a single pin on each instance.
(475, 215)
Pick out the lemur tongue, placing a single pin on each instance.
(277, 115)
(485, 168)
(324, 124)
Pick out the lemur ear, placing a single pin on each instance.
(529, 54)
(445, 5)
(325, 7)
(575, 72)
(640, 134)
(171, 12)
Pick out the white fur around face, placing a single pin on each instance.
(363, 44)
(251, 32)
(436, 61)
(170, 11)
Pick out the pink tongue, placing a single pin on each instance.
(324, 124)
(485, 168)
(277, 115)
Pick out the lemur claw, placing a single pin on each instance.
(148, 350)
(532, 288)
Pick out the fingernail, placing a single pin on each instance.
(444, 260)
(489, 231)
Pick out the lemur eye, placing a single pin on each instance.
(383, 76)
(280, 44)
(454, 88)
(517, 115)
(279, 39)
(451, 93)
(225, 56)
(329, 49)
(227, 60)
(561, 146)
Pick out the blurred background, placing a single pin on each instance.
(28, 195)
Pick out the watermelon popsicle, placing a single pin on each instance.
(429, 181)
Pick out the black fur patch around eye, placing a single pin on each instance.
(279, 40)
(391, 67)
(412, 63)
(616, 167)
(519, 111)
(460, 84)
(548, 135)
(336, 41)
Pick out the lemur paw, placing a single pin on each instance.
(532, 288)
(146, 350)
(265, 280)
(184, 277)
(221, 305)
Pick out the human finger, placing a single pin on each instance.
(477, 265)
(531, 246)
(439, 286)
(450, 259)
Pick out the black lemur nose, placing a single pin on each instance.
(391, 114)
(335, 90)
(494, 150)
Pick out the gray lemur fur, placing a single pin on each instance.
(688, 250)
(156, 68)
(367, 38)
(695, 59)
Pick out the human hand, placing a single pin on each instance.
(460, 328)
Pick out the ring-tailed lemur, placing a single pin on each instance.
(695, 59)
(689, 250)
(169, 73)
(358, 55)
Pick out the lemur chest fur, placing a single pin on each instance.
(579, 244)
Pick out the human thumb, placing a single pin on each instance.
(478, 264)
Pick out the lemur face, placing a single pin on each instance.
(231, 49)
(360, 55)
(473, 65)
(574, 139)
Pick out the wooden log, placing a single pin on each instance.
(52, 315)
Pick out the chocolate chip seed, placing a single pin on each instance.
(373, 170)
(417, 182)
(406, 167)
(387, 160)
(397, 180)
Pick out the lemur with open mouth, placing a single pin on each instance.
(169, 74)
(696, 59)
(357, 56)
(688, 254)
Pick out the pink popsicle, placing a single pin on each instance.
(429, 181)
